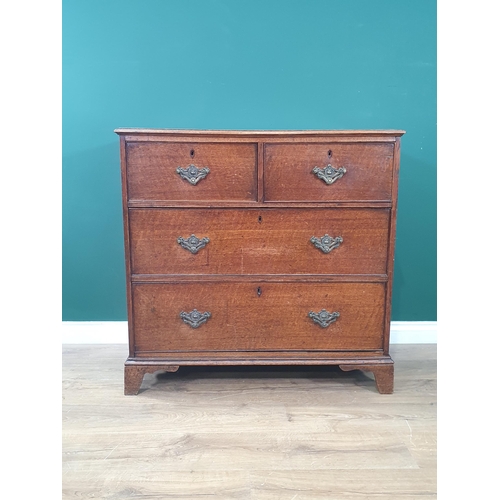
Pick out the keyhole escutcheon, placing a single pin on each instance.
(329, 153)
(259, 291)
(191, 153)
(260, 219)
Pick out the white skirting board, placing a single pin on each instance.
(115, 332)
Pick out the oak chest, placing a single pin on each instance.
(259, 247)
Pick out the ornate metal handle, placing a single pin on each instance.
(329, 174)
(195, 318)
(326, 243)
(193, 244)
(324, 318)
(193, 174)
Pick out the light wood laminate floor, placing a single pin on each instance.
(295, 433)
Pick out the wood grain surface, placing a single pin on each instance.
(302, 433)
(281, 135)
(262, 241)
(151, 171)
(288, 172)
(254, 317)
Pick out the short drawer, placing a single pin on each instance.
(259, 241)
(256, 316)
(328, 172)
(191, 171)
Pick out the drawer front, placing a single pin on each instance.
(257, 317)
(359, 172)
(259, 241)
(161, 171)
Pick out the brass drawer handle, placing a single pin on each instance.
(324, 318)
(195, 318)
(329, 174)
(193, 244)
(193, 174)
(326, 243)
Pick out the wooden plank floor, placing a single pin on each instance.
(265, 433)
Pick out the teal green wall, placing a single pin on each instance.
(260, 64)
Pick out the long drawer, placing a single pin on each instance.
(259, 241)
(220, 316)
(328, 172)
(191, 171)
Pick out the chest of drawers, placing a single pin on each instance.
(259, 247)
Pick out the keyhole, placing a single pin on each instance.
(329, 153)
(192, 153)
(259, 291)
(260, 219)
